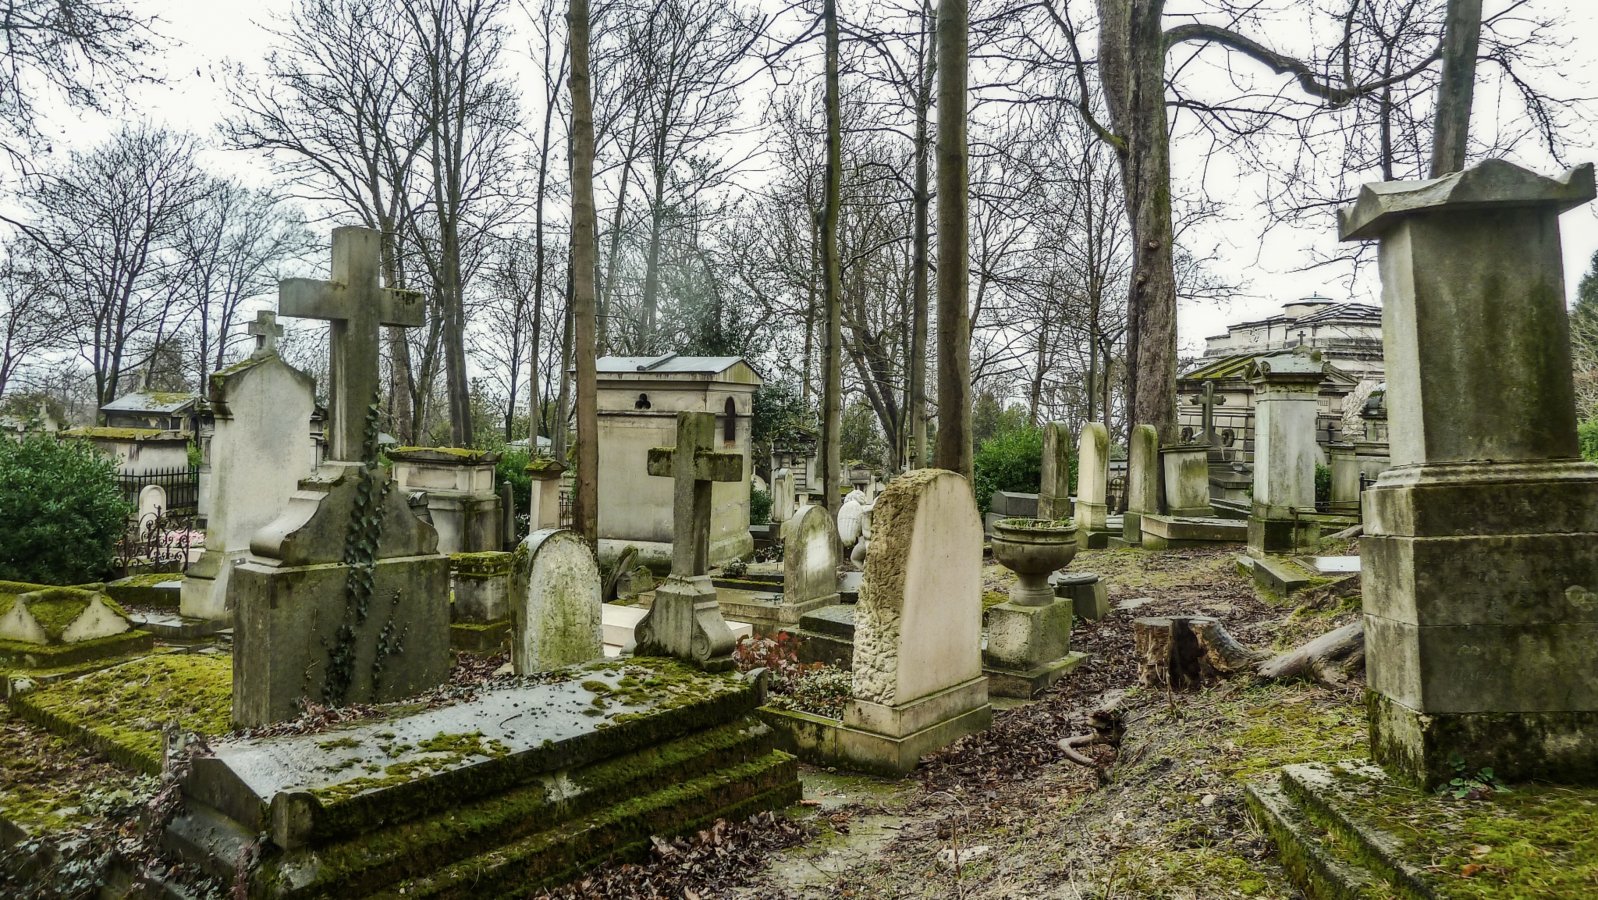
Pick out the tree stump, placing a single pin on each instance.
(1182, 653)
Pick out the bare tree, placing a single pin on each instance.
(832, 273)
(953, 451)
(26, 326)
(583, 252)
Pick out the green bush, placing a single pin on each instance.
(1323, 484)
(1588, 433)
(1009, 461)
(759, 506)
(61, 511)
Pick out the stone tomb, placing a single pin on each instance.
(49, 627)
(1093, 487)
(345, 596)
(639, 399)
(918, 682)
(555, 613)
(1480, 553)
(1286, 392)
(461, 498)
(257, 454)
(480, 591)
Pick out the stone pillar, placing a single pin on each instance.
(1092, 486)
(461, 498)
(1187, 480)
(479, 614)
(1286, 389)
(1142, 482)
(1054, 494)
(1345, 480)
(543, 509)
(1480, 560)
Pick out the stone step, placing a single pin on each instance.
(620, 831)
(553, 812)
(1302, 847)
(836, 620)
(1316, 789)
(314, 788)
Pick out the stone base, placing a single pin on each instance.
(1090, 598)
(478, 799)
(685, 622)
(1171, 532)
(20, 655)
(1093, 539)
(1281, 535)
(1277, 574)
(657, 554)
(1026, 684)
(203, 594)
(827, 635)
(1517, 746)
(768, 612)
(1025, 637)
(885, 740)
(1131, 528)
(482, 638)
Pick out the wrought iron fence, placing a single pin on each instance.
(182, 486)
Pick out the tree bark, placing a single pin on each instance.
(923, 201)
(1132, 62)
(954, 264)
(832, 271)
(1182, 653)
(1461, 37)
(585, 512)
(1329, 659)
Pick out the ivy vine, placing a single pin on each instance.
(361, 539)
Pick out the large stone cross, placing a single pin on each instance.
(694, 466)
(357, 306)
(266, 331)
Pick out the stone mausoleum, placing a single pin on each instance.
(639, 398)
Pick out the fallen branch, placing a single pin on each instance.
(1329, 659)
(1352, 531)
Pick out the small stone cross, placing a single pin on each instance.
(357, 306)
(266, 332)
(694, 467)
(1210, 401)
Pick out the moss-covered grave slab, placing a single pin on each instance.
(121, 710)
(44, 627)
(524, 784)
(1348, 830)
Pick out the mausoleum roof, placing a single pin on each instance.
(1235, 368)
(165, 402)
(669, 364)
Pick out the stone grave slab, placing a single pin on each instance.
(1336, 565)
(1170, 532)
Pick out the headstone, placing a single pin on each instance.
(462, 502)
(918, 681)
(1092, 486)
(1187, 480)
(152, 503)
(1480, 572)
(1346, 478)
(1286, 391)
(685, 620)
(555, 613)
(1142, 482)
(809, 562)
(783, 499)
(259, 450)
(1054, 492)
(507, 512)
(543, 510)
(344, 597)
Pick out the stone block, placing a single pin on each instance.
(1187, 480)
(1024, 637)
(1520, 579)
(1170, 532)
(1025, 684)
(1268, 535)
(1280, 576)
(1518, 746)
(480, 585)
(1089, 596)
(1483, 668)
(1465, 499)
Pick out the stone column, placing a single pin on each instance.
(543, 506)
(1142, 482)
(1480, 561)
(1286, 388)
(1054, 493)
(1092, 486)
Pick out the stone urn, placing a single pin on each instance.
(1033, 548)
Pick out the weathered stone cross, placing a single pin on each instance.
(1210, 401)
(357, 306)
(266, 332)
(694, 466)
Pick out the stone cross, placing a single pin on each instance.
(693, 466)
(357, 306)
(1209, 401)
(266, 332)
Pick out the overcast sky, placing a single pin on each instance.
(208, 35)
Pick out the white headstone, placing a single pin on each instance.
(809, 559)
(152, 503)
(783, 503)
(555, 602)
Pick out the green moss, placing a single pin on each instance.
(463, 453)
(107, 433)
(346, 742)
(55, 609)
(485, 563)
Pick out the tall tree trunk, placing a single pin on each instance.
(954, 264)
(1461, 37)
(920, 262)
(585, 509)
(832, 272)
(563, 402)
(651, 299)
(1132, 65)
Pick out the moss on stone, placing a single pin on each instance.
(103, 432)
(484, 563)
(462, 453)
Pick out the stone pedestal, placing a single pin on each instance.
(1093, 487)
(543, 506)
(1187, 480)
(685, 621)
(1090, 599)
(1480, 560)
(1029, 648)
(1286, 388)
(480, 585)
(1142, 482)
(461, 497)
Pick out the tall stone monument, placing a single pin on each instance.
(1093, 487)
(1054, 493)
(685, 620)
(1480, 560)
(258, 452)
(1142, 482)
(345, 596)
(1286, 392)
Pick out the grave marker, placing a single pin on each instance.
(555, 603)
